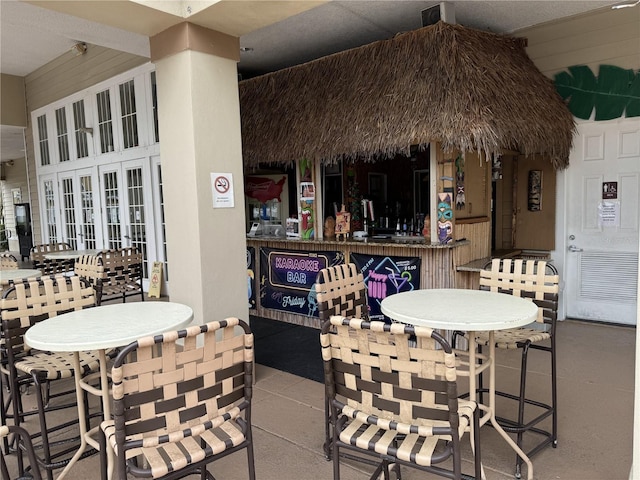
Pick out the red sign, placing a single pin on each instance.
(263, 189)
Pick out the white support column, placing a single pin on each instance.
(199, 121)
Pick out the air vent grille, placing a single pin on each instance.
(609, 276)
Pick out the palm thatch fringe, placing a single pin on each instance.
(468, 89)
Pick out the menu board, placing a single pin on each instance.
(385, 276)
(288, 278)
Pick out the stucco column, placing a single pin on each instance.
(199, 122)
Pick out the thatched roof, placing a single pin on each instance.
(470, 90)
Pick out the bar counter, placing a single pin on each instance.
(438, 263)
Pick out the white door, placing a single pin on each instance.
(603, 192)
(127, 214)
(80, 207)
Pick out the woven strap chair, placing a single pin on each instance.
(340, 290)
(5, 431)
(90, 268)
(539, 281)
(8, 262)
(122, 273)
(48, 266)
(23, 305)
(400, 397)
(180, 401)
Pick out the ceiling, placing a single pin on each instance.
(276, 34)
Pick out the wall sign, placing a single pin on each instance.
(222, 188)
(609, 190)
(385, 276)
(288, 278)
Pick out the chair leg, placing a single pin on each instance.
(554, 393)
(251, 461)
(102, 442)
(327, 431)
(521, 405)
(44, 432)
(476, 441)
(15, 400)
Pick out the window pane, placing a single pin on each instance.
(136, 214)
(43, 140)
(50, 211)
(129, 117)
(80, 123)
(63, 137)
(105, 122)
(112, 206)
(68, 212)
(154, 100)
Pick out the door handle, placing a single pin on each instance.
(573, 248)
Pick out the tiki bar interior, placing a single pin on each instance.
(421, 157)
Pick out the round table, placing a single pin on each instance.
(459, 309)
(19, 274)
(70, 254)
(471, 311)
(101, 328)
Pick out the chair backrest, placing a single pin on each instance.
(5, 431)
(49, 266)
(8, 262)
(121, 267)
(340, 290)
(379, 370)
(178, 383)
(91, 269)
(533, 279)
(29, 302)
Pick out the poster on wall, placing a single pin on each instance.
(307, 208)
(251, 276)
(288, 278)
(385, 276)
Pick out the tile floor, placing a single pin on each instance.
(595, 381)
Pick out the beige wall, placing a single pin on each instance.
(12, 106)
(60, 78)
(607, 36)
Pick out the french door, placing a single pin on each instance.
(127, 213)
(80, 208)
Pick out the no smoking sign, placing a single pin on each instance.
(222, 189)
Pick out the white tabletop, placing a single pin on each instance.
(460, 309)
(19, 274)
(107, 326)
(70, 254)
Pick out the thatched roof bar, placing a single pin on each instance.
(470, 90)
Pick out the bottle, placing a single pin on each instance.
(398, 227)
(404, 227)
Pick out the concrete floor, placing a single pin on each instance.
(596, 389)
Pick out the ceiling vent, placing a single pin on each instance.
(443, 11)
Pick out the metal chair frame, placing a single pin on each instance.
(539, 281)
(394, 398)
(181, 400)
(23, 305)
(340, 290)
